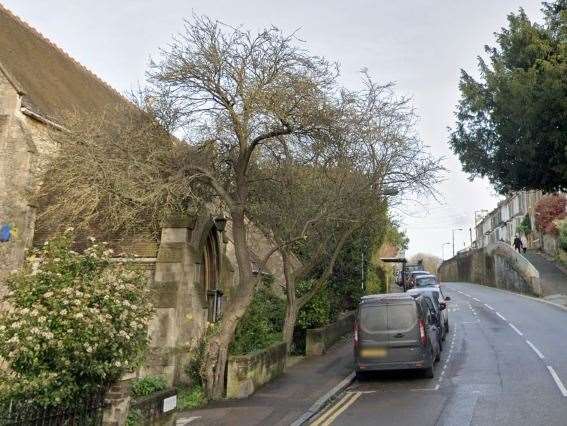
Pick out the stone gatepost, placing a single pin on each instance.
(169, 279)
(118, 398)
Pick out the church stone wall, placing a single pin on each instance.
(24, 150)
(16, 153)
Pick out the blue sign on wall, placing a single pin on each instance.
(5, 233)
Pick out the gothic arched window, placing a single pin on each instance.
(210, 271)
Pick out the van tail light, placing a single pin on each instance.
(355, 336)
(422, 334)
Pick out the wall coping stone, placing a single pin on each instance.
(319, 340)
(246, 373)
(181, 221)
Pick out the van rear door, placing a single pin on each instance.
(403, 332)
(373, 330)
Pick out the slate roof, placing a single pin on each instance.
(50, 81)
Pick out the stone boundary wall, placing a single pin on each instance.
(319, 340)
(496, 265)
(550, 244)
(246, 373)
(151, 408)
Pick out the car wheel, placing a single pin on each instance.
(361, 376)
(428, 373)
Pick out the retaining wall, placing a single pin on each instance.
(496, 265)
(319, 340)
(158, 409)
(246, 373)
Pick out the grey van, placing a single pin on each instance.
(393, 332)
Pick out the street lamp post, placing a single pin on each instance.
(453, 232)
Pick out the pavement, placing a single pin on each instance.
(504, 363)
(284, 400)
(553, 279)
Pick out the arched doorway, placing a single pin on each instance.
(210, 272)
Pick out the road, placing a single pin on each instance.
(504, 363)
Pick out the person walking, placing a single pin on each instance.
(518, 244)
(524, 241)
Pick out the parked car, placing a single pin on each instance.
(410, 279)
(440, 305)
(399, 280)
(425, 280)
(394, 332)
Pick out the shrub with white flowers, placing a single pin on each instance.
(76, 323)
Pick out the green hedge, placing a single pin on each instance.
(147, 386)
(262, 324)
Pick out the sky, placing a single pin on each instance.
(421, 45)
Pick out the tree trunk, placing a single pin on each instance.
(291, 307)
(213, 370)
(215, 360)
(289, 324)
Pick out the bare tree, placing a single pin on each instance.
(263, 133)
(430, 262)
(234, 92)
(313, 201)
(116, 173)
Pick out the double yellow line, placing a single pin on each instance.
(331, 415)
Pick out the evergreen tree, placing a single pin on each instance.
(512, 122)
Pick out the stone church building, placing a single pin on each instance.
(190, 267)
(39, 83)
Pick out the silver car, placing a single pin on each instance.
(440, 305)
(425, 280)
(394, 332)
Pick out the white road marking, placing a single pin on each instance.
(474, 298)
(536, 350)
(427, 389)
(501, 316)
(489, 307)
(468, 295)
(183, 422)
(515, 329)
(558, 381)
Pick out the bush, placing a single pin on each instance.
(525, 227)
(191, 398)
(77, 323)
(196, 357)
(135, 417)
(262, 324)
(148, 385)
(549, 209)
(317, 312)
(374, 283)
